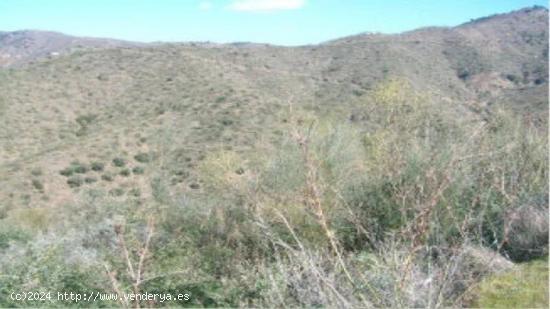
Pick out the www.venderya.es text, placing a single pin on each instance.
(98, 296)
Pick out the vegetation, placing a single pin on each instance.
(66, 172)
(124, 172)
(408, 209)
(75, 181)
(119, 162)
(138, 170)
(357, 180)
(97, 166)
(75, 167)
(107, 177)
(37, 184)
(143, 157)
(90, 179)
(524, 287)
(84, 121)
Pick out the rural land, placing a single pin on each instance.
(371, 171)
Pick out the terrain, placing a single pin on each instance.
(20, 47)
(94, 132)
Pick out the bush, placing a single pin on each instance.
(119, 162)
(125, 172)
(37, 184)
(227, 122)
(80, 169)
(75, 167)
(107, 177)
(11, 234)
(75, 181)
(90, 179)
(527, 237)
(138, 170)
(73, 271)
(513, 78)
(143, 157)
(85, 120)
(97, 166)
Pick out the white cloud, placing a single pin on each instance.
(205, 6)
(266, 5)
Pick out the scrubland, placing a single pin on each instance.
(404, 206)
(387, 171)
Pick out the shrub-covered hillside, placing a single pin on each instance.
(410, 208)
(402, 170)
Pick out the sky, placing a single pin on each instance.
(282, 22)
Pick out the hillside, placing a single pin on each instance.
(85, 115)
(19, 47)
(132, 92)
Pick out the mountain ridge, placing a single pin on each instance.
(47, 42)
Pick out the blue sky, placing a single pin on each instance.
(284, 22)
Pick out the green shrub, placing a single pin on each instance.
(90, 179)
(37, 184)
(513, 78)
(125, 172)
(138, 170)
(75, 181)
(107, 177)
(227, 122)
(182, 173)
(119, 162)
(37, 259)
(97, 166)
(143, 157)
(81, 132)
(84, 120)
(80, 169)
(9, 233)
(528, 232)
(75, 167)
(463, 73)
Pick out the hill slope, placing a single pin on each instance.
(19, 47)
(370, 171)
(118, 98)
